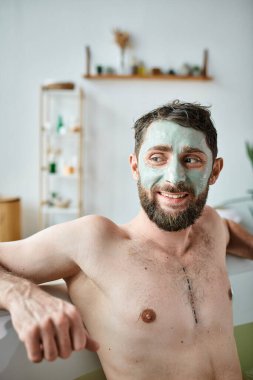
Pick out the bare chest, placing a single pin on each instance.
(179, 294)
(151, 301)
(170, 309)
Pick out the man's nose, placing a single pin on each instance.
(175, 172)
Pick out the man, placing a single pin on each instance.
(154, 294)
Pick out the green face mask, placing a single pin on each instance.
(171, 154)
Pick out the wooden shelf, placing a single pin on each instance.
(62, 176)
(52, 132)
(59, 86)
(148, 77)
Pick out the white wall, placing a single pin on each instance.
(45, 39)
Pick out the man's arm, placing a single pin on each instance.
(48, 326)
(45, 256)
(240, 241)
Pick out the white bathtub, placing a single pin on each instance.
(14, 364)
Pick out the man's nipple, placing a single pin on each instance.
(230, 294)
(148, 316)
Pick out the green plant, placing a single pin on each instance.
(249, 150)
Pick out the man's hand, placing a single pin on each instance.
(48, 326)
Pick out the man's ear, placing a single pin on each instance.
(134, 166)
(217, 167)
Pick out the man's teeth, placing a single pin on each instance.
(174, 196)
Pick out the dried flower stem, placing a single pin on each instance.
(122, 39)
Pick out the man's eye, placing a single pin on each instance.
(157, 158)
(192, 160)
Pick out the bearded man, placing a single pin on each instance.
(153, 294)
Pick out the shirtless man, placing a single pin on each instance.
(154, 293)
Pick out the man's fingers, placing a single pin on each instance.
(48, 340)
(91, 344)
(77, 330)
(80, 337)
(63, 336)
(54, 334)
(83, 340)
(32, 343)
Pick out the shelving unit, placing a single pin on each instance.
(148, 77)
(61, 161)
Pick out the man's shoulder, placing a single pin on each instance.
(211, 223)
(99, 227)
(97, 236)
(210, 216)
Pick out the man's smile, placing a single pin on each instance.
(173, 199)
(173, 195)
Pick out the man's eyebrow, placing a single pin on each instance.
(163, 148)
(168, 148)
(189, 149)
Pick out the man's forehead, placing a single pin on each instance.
(168, 134)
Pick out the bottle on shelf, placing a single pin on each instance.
(60, 127)
(52, 166)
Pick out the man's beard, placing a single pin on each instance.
(178, 220)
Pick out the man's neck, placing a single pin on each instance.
(179, 240)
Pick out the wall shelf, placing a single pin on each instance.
(64, 176)
(148, 77)
(61, 153)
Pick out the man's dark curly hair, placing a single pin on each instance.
(189, 115)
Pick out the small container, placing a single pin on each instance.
(60, 128)
(99, 69)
